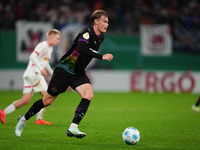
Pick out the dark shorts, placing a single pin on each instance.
(61, 80)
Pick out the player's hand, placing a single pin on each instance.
(44, 72)
(108, 57)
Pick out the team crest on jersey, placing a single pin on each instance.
(86, 36)
(47, 58)
(54, 89)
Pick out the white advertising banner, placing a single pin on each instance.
(29, 34)
(110, 80)
(156, 40)
(146, 81)
(161, 81)
(123, 81)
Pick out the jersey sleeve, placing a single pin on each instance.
(38, 52)
(40, 49)
(83, 42)
(35, 60)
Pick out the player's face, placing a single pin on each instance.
(102, 24)
(55, 39)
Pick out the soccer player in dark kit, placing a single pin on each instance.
(70, 71)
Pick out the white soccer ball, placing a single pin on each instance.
(131, 135)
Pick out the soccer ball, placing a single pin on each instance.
(131, 135)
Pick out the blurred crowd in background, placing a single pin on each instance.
(125, 16)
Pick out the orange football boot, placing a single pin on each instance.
(41, 121)
(3, 117)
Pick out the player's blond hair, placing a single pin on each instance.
(53, 31)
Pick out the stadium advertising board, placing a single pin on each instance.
(29, 34)
(123, 81)
(156, 40)
(146, 81)
(165, 82)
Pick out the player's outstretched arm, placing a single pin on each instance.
(108, 57)
(43, 72)
(36, 61)
(49, 69)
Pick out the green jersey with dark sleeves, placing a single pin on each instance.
(84, 48)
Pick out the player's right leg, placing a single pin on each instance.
(75, 132)
(26, 97)
(3, 116)
(86, 93)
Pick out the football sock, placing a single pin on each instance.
(23, 118)
(35, 108)
(9, 109)
(40, 114)
(81, 110)
(198, 102)
(73, 125)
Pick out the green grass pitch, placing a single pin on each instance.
(165, 121)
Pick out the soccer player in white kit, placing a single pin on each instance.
(34, 76)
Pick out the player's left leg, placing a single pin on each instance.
(86, 93)
(56, 81)
(21, 122)
(34, 109)
(40, 114)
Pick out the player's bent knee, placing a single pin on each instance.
(48, 100)
(89, 96)
(47, 103)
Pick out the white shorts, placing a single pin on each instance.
(34, 84)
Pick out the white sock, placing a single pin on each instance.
(9, 109)
(23, 119)
(73, 125)
(40, 114)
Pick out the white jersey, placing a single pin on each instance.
(41, 55)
